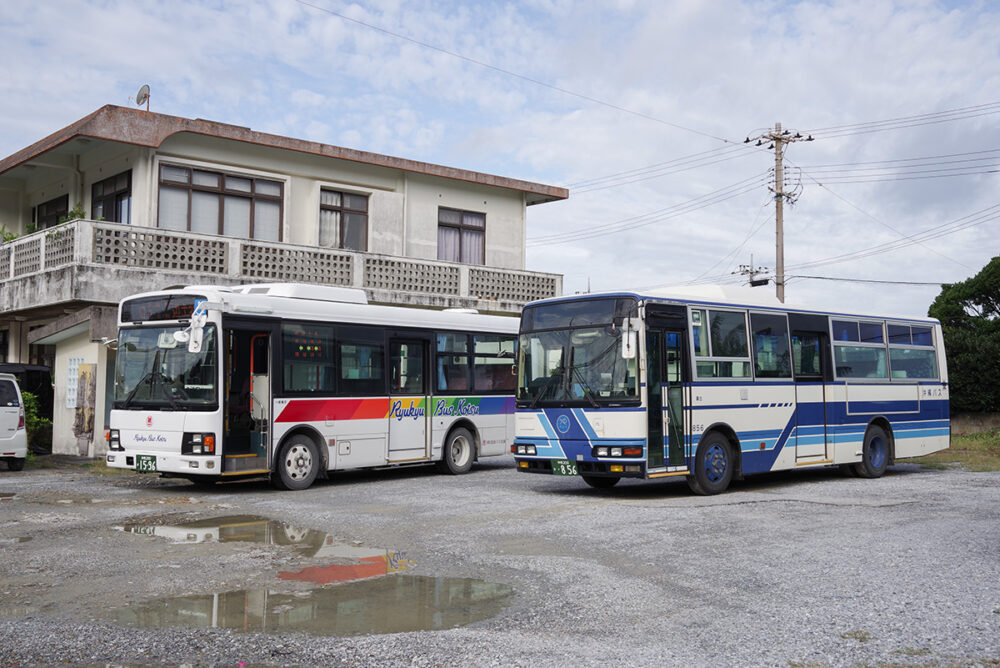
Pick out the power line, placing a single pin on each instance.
(902, 122)
(634, 222)
(703, 159)
(866, 280)
(510, 73)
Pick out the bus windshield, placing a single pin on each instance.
(580, 360)
(153, 370)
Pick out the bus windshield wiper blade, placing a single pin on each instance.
(545, 388)
(586, 389)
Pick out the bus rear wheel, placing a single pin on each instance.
(15, 463)
(459, 451)
(874, 454)
(298, 464)
(600, 482)
(713, 465)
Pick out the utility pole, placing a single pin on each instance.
(779, 139)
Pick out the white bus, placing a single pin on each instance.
(714, 384)
(291, 381)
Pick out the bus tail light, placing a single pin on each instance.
(604, 451)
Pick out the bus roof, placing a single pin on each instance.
(726, 296)
(333, 304)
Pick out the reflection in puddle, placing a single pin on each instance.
(386, 605)
(6, 496)
(13, 541)
(351, 562)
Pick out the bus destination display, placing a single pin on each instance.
(167, 307)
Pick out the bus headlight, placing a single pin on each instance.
(114, 440)
(198, 444)
(526, 450)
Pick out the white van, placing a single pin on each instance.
(13, 437)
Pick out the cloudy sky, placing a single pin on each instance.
(640, 108)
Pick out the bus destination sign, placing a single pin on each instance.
(164, 307)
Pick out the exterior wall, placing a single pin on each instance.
(79, 430)
(505, 218)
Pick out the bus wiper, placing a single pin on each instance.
(583, 386)
(545, 388)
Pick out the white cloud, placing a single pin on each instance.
(721, 68)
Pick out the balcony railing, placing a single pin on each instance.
(206, 258)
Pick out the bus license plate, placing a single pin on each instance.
(563, 467)
(145, 463)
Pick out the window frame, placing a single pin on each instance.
(51, 218)
(342, 210)
(714, 359)
(931, 347)
(222, 191)
(463, 229)
(751, 332)
(114, 198)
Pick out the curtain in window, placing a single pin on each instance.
(266, 220)
(204, 213)
(236, 217)
(472, 247)
(173, 209)
(355, 232)
(329, 228)
(448, 244)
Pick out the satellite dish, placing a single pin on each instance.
(142, 97)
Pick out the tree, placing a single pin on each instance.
(969, 312)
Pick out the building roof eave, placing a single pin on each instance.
(149, 129)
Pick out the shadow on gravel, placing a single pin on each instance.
(677, 487)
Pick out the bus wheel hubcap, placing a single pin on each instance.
(298, 462)
(715, 463)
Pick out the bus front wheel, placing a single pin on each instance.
(874, 454)
(459, 451)
(298, 464)
(713, 465)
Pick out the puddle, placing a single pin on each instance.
(395, 604)
(14, 541)
(6, 496)
(308, 542)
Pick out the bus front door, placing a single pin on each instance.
(409, 401)
(246, 438)
(665, 398)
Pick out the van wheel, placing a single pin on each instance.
(713, 465)
(459, 452)
(298, 464)
(15, 463)
(874, 454)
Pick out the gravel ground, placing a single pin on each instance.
(801, 569)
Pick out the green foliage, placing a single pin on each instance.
(6, 235)
(39, 428)
(76, 212)
(969, 312)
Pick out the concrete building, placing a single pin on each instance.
(126, 201)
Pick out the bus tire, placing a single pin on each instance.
(16, 463)
(298, 464)
(459, 451)
(713, 465)
(600, 482)
(874, 454)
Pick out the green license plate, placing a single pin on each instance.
(145, 463)
(563, 467)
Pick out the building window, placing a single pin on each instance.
(52, 212)
(461, 236)
(196, 200)
(111, 198)
(343, 220)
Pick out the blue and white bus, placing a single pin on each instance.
(717, 383)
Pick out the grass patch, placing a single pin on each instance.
(974, 452)
(859, 635)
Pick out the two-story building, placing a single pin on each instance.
(126, 201)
